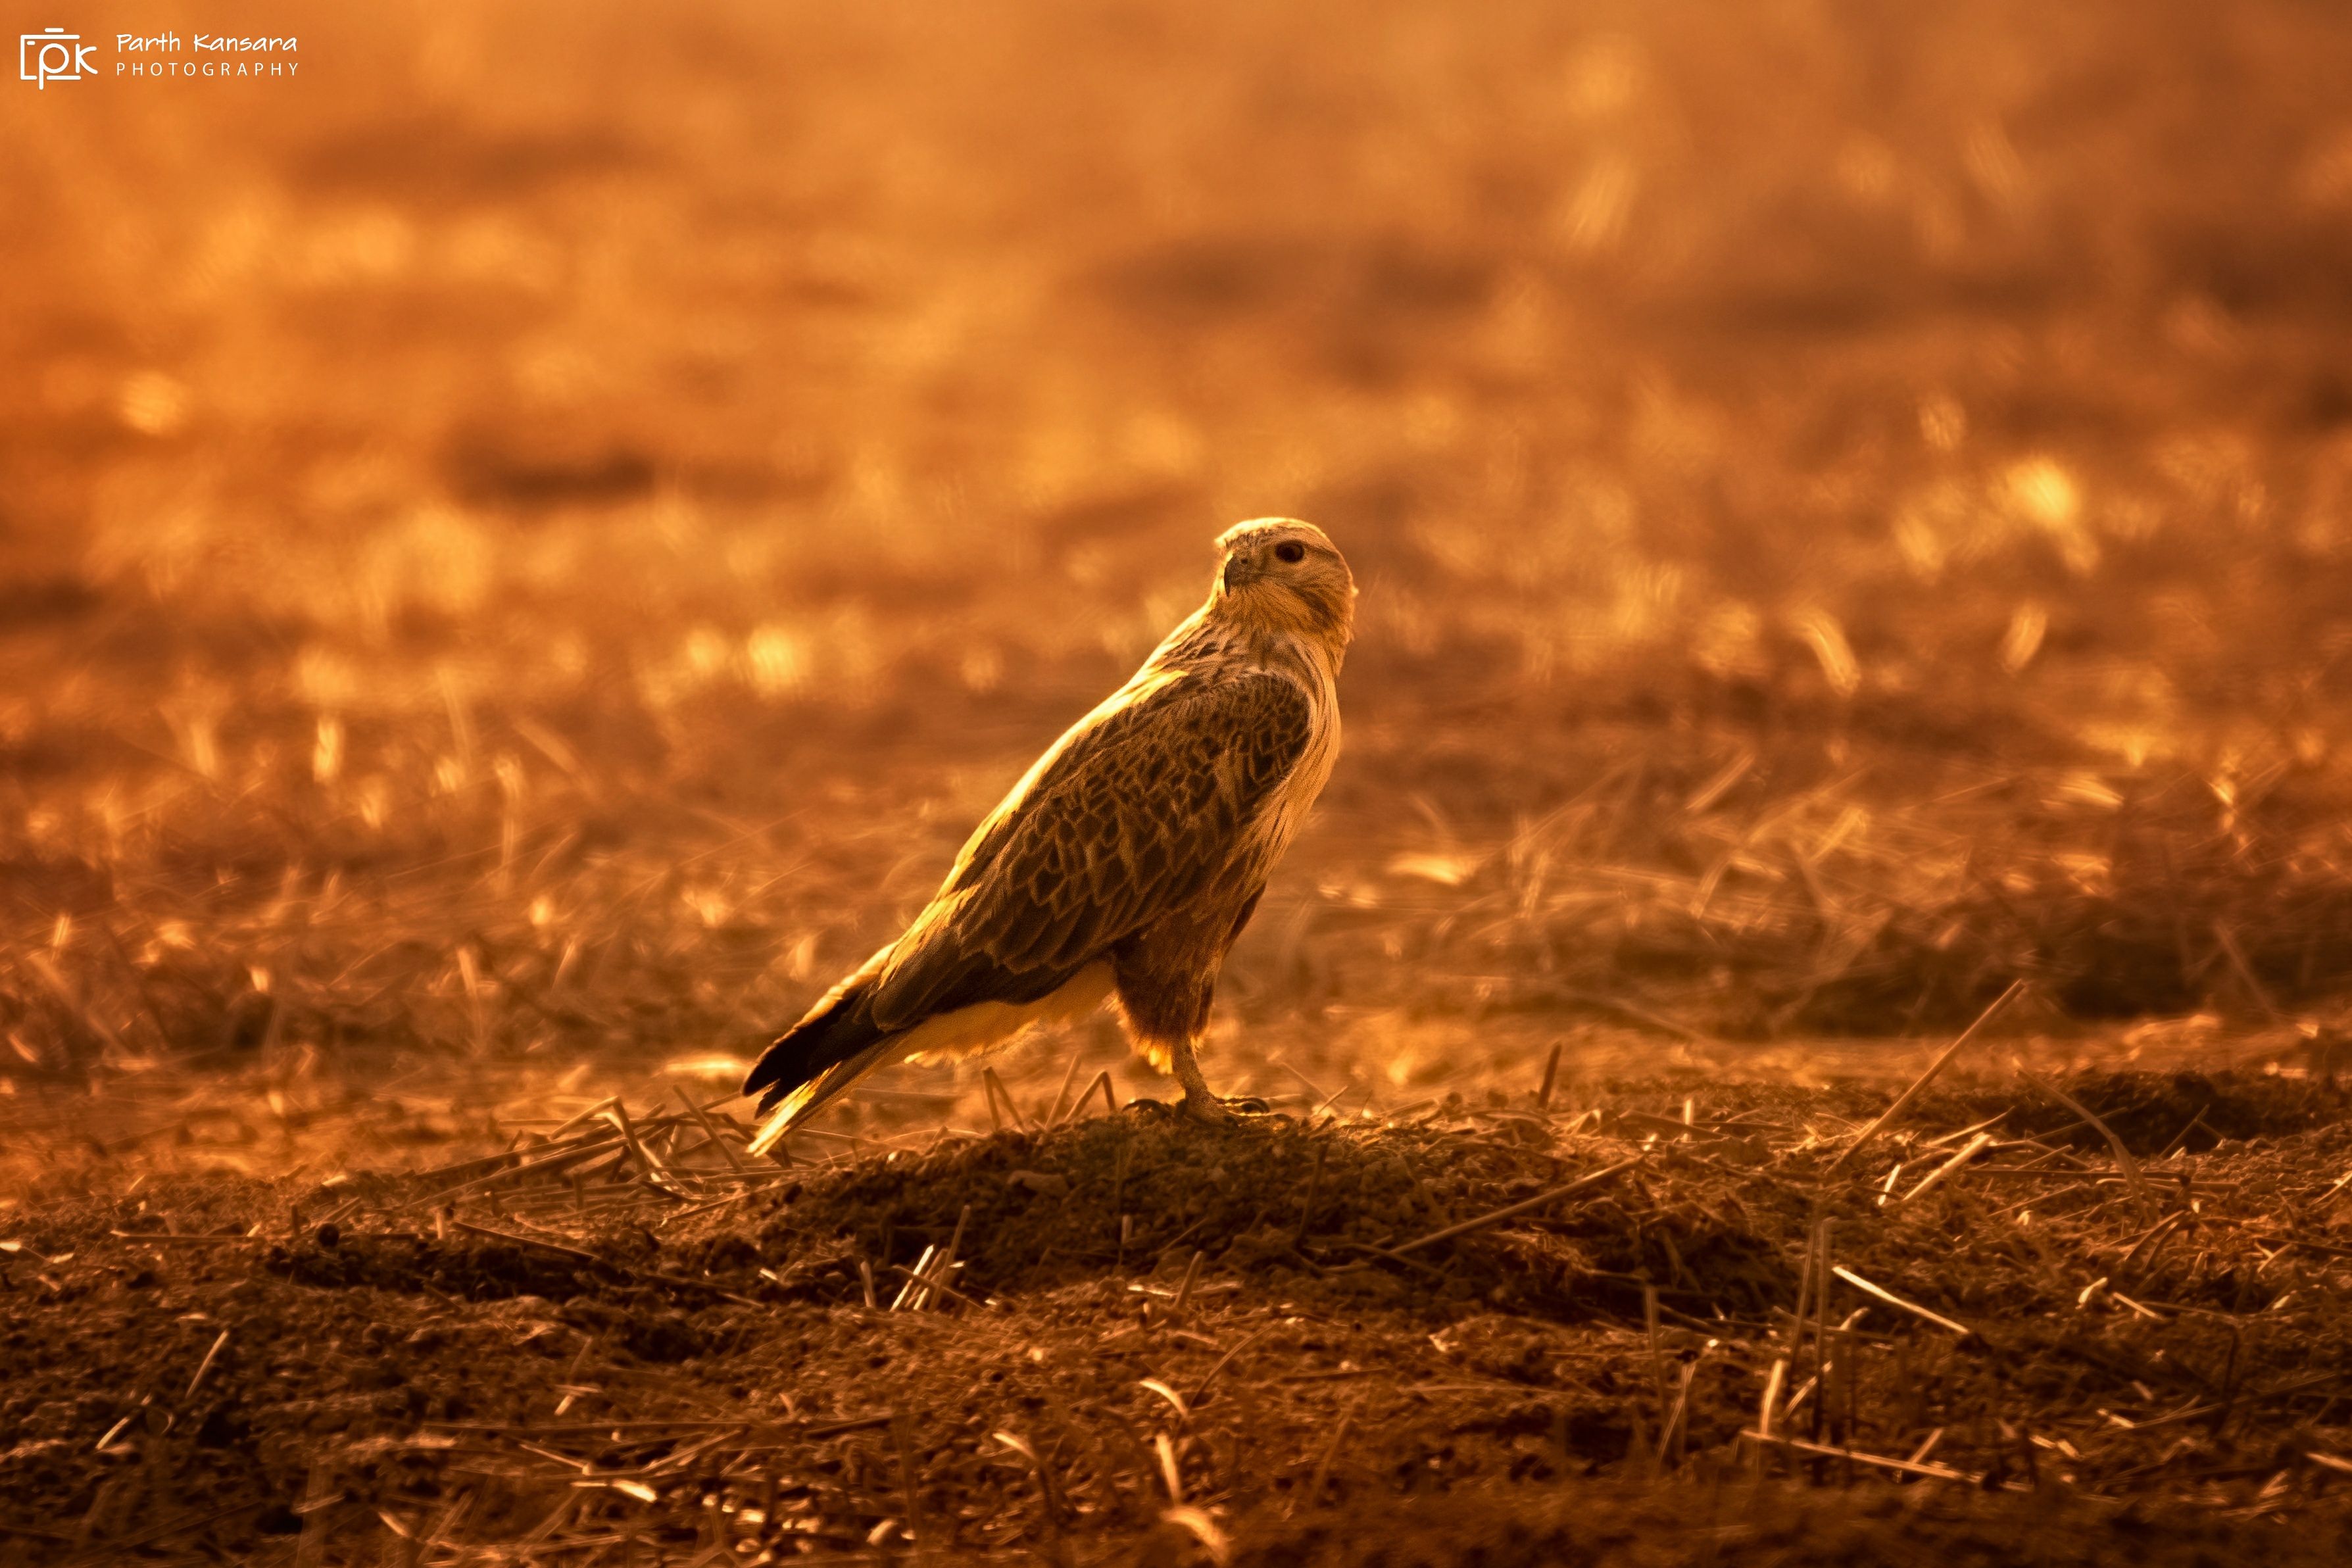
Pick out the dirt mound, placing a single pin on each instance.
(1319, 1209)
(473, 1271)
(2151, 1111)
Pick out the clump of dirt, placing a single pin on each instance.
(473, 1271)
(1270, 1198)
(1602, 1526)
(2149, 1111)
(1040, 1209)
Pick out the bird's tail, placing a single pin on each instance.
(831, 1047)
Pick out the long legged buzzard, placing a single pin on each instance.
(1126, 861)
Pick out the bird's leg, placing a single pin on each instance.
(1199, 1103)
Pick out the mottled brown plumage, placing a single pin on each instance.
(1128, 859)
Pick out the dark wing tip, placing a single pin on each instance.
(768, 1073)
(836, 1029)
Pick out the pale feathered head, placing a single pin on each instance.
(1287, 576)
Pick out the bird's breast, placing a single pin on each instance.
(1305, 782)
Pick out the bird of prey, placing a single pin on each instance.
(1126, 861)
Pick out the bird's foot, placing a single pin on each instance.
(1218, 1112)
(1209, 1113)
(1209, 1109)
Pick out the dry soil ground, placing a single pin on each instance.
(1495, 1331)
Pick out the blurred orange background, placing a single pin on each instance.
(544, 530)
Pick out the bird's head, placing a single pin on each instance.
(1283, 574)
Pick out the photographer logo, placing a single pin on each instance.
(53, 55)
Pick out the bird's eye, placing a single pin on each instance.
(1291, 551)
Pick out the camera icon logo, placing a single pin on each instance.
(53, 55)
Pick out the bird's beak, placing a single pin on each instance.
(1239, 572)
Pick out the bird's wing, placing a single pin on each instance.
(1131, 814)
